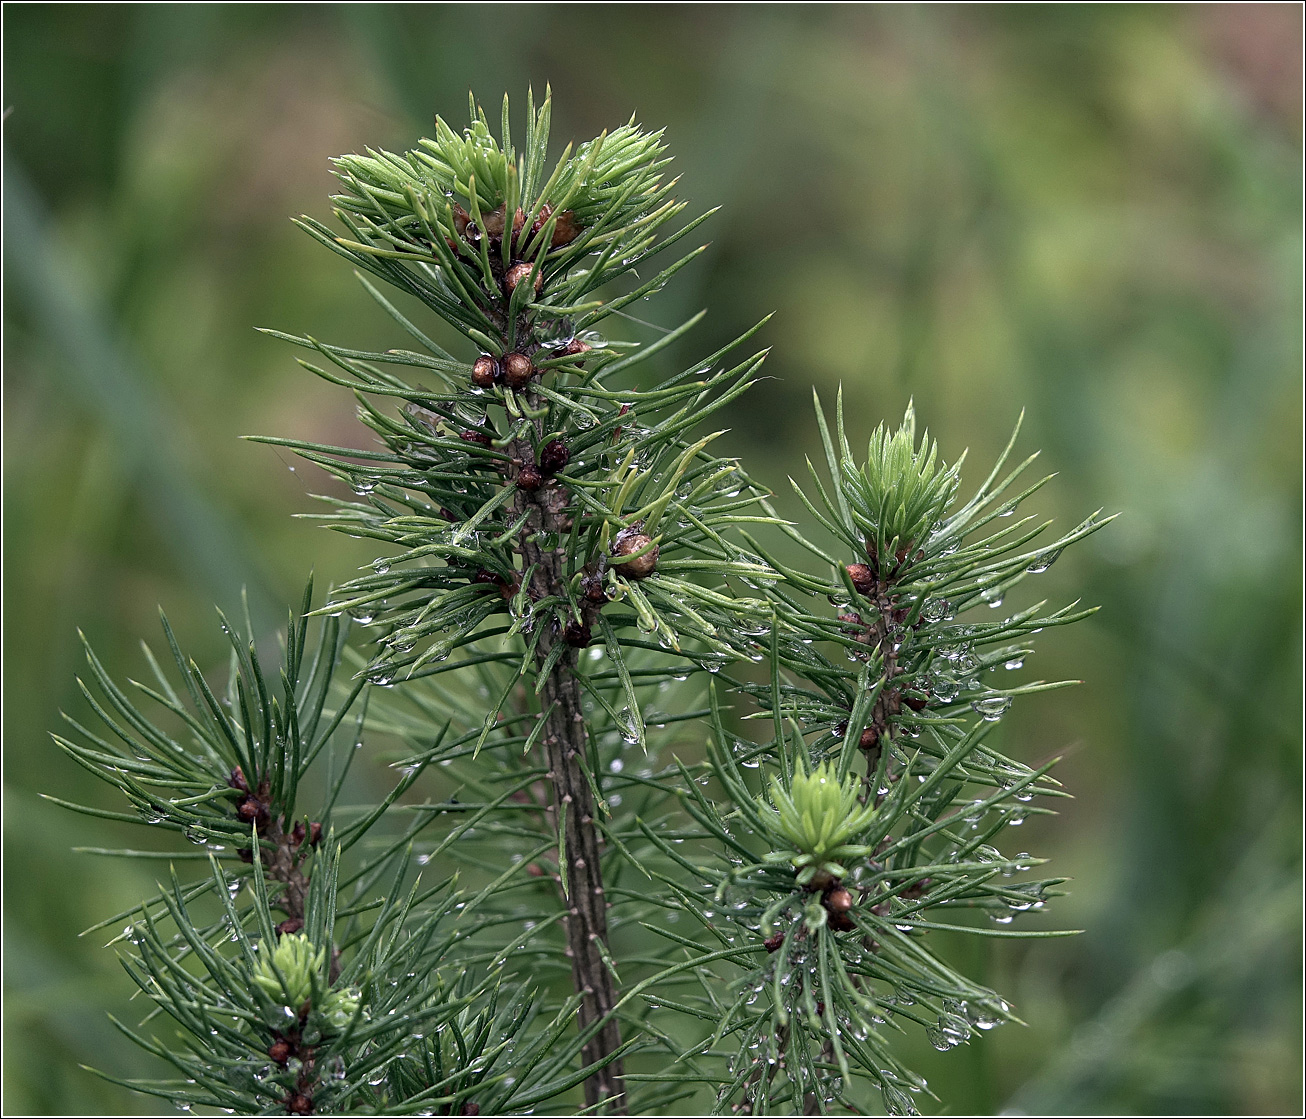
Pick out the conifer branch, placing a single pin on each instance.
(572, 591)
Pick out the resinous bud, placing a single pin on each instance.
(554, 456)
(839, 900)
(577, 635)
(485, 371)
(862, 576)
(519, 272)
(628, 543)
(517, 370)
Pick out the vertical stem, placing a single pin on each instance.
(565, 741)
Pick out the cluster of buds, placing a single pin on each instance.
(255, 807)
(514, 370)
(286, 974)
(872, 578)
(495, 225)
(553, 457)
(594, 594)
(565, 229)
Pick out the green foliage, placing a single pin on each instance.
(817, 817)
(561, 548)
(898, 496)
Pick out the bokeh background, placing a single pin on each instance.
(1090, 212)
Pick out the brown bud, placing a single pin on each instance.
(772, 943)
(493, 221)
(573, 348)
(916, 889)
(529, 478)
(507, 589)
(300, 1104)
(251, 808)
(870, 738)
(841, 922)
(565, 231)
(314, 833)
(290, 925)
(237, 780)
(297, 833)
(577, 635)
(279, 1051)
(485, 371)
(593, 587)
(517, 369)
(616, 431)
(536, 871)
(471, 1107)
(839, 900)
(630, 541)
(460, 219)
(915, 702)
(862, 576)
(554, 456)
(519, 272)
(477, 437)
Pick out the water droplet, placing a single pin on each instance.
(1046, 560)
(991, 707)
(1011, 665)
(939, 1039)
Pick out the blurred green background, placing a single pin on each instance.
(1091, 212)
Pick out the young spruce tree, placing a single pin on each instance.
(603, 888)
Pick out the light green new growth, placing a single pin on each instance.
(289, 971)
(901, 492)
(818, 816)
